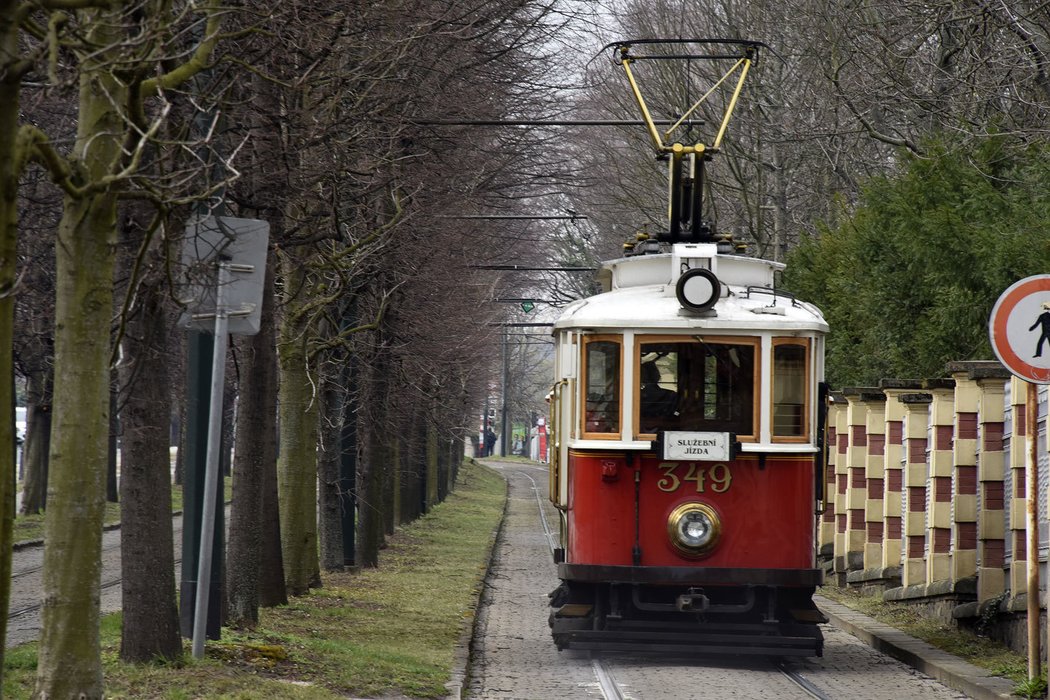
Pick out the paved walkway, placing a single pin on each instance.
(949, 670)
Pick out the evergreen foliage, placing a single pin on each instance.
(908, 279)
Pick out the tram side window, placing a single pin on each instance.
(789, 390)
(602, 404)
(697, 385)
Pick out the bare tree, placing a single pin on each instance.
(113, 134)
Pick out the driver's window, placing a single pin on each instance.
(698, 384)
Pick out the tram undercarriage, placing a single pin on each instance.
(674, 619)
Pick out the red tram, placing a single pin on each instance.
(687, 454)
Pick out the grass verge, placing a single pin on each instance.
(979, 651)
(385, 632)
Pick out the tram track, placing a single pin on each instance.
(40, 567)
(35, 607)
(606, 681)
(21, 614)
(607, 684)
(801, 681)
(30, 570)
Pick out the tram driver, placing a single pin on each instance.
(658, 406)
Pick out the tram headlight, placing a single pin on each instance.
(698, 289)
(694, 528)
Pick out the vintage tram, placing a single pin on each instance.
(686, 454)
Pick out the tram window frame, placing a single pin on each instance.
(617, 386)
(753, 342)
(807, 355)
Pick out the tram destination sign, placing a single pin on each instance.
(697, 446)
(1019, 329)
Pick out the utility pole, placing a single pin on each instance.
(506, 392)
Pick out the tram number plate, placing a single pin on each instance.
(715, 478)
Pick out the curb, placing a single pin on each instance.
(465, 645)
(950, 670)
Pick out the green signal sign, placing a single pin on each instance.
(527, 306)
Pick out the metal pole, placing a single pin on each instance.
(483, 448)
(506, 380)
(1031, 485)
(211, 468)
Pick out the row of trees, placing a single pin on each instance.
(900, 143)
(843, 91)
(119, 121)
(908, 280)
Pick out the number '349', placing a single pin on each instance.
(716, 478)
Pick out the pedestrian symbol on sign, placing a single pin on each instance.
(1044, 321)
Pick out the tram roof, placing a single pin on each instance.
(641, 294)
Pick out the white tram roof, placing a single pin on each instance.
(640, 293)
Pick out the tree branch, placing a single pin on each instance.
(34, 145)
(199, 61)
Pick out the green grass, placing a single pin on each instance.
(380, 632)
(979, 651)
(509, 458)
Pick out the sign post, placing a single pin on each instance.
(1019, 329)
(225, 264)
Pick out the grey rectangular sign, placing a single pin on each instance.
(241, 244)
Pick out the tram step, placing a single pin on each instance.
(811, 615)
(574, 610)
(787, 641)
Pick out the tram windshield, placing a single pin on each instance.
(698, 384)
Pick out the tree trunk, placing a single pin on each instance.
(112, 487)
(150, 625)
(272, 589)
(69, 663)
(35, 455)
(432, 463)
(255, 456)
(397, 456)
(297, 464)
(328, 463)
(9, 111)
(373, 466)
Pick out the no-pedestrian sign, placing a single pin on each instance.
(1019, 329)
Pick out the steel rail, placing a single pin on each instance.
(606, 682)
(35, 607)
(802, 682)
(548, 531)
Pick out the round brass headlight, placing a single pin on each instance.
(694, 528)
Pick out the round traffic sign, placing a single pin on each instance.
(1019, 329)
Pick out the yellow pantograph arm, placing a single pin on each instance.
(654, 133)
(667, 134)
(732, 103)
